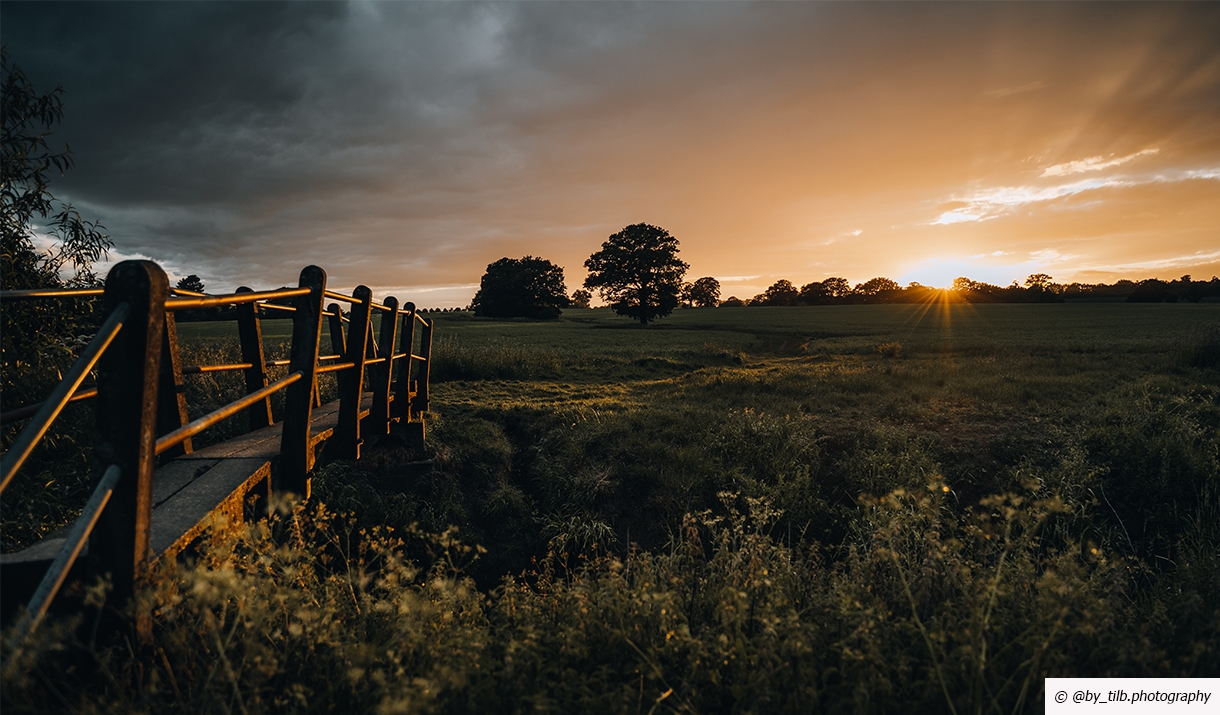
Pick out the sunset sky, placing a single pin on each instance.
(406, 145)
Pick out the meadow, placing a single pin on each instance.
(790, 509)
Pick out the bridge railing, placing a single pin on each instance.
(141, 411)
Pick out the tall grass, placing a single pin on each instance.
(1200, 347)
(454, 359)
(926, 607)
(681, 527)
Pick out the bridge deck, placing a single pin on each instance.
(217, 479)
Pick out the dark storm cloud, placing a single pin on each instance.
(212, 130)
(244, 123)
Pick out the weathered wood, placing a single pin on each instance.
(21, 571)
(296, 448)
(419, 402)
(171, 391)
(218, 493)
(173, 477)
(338, 344)
(347, 434)
(250, 333)
(126, 428)
(380, 378)
(403, 386)
(141, 396)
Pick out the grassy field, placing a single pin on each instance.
(841, 509)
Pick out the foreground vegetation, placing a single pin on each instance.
(848, 508)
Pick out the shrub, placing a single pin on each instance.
(300, 613)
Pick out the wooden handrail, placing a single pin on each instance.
(50, 409)
(141, 410)
(210, 419)
(232, 299)
(354, 300)
(50, 293)
(23, 412)
(58, 571)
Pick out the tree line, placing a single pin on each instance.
(1037, 288)
(638, 273)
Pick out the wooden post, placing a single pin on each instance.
(420, 404)
(419, 401)
(338, 346)
(171, 391)
(126, 435)
(379, 416)
(403, 389)
(296, 448)
(250, 332)
(347, 432)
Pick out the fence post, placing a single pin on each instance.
(338, 345)
(347, 432)
(403, 389)
(379, 416)
(171, 391)
(419, 401)
(296, 448)
(250, 332)
(419, 405)
(125, 435)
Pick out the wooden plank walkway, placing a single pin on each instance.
(187, 492)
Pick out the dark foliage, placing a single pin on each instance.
(191, 283)
(581, 298)
(521, 288)
(26, 196)
(1152, 291)
(38, 337)
(703, 293)
(876, 290)
(638, 272)
(781, 292)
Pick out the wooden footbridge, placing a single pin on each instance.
(153, 493)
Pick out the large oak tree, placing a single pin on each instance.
(638, 272)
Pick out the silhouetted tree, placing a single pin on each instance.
(1152, 291)
(812, 294)
(521, 288)
(733, 302)
(876, 289)
(836, 287)
(703, 293)
(638, 272)
(581, 298)
(26, 196)
(191, 283)
(36, 336)
(781, 292)
(1041, 281)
